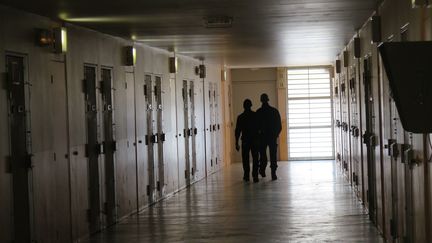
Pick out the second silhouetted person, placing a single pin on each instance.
(270, 126)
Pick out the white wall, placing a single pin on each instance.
(250, 84)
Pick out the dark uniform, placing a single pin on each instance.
(247, 126)
(270, 126)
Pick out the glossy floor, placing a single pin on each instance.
(310, 202)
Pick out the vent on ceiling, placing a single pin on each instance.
(219, 21)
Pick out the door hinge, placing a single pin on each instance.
(158, 185)
(8, 164)
(211, 162)
(88, 215)
(148, 190)
(29, 161)
(393, 229)
(87, 150)
(162, 137)
(193, 172)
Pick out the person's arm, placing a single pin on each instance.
(238, 130)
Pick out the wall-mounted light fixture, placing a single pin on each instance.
(338, 66)
(130, 56)
(345, 58)
(224, 75)
(55, 39)
(376, 29)
(357, 47)
(173, 64)
(202, 71)
(44, 37)
(60, 40)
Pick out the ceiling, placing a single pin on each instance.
(264, 33)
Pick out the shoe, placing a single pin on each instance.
(262, 172)
(246, 179)
(273, 176)
(255, 179)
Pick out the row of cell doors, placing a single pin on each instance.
(385, 185)
(42, 195)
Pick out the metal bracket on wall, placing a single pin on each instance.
(8, 164)
(88, 215)
(162, 137)
(393, 229)
(29, 161)
(392, 148)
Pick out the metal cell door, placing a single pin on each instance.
(20, 158)
(186, 131)
(369, 137)
(160, 137)
(211, 115)
(193, 130)
(109, 145)
(150, 138)
(93, 148)
(345, 125)
(216, 127)
(355, 131)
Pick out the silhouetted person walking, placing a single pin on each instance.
(247, 127)
(270, 126)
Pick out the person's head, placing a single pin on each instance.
(247, 104)
(264, 98)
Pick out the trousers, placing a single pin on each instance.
(248, 148)
(272, 145)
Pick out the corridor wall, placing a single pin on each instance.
(102, 140)
(388, 167)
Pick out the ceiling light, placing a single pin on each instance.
(218, 21)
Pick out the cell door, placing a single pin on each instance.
(150, 138)
(345, 125)
(186, 131)
(20, 157)
(109, 145)
(93, 148)
(355, 131)
(160, 185)
(211, 126)
(193, 130)
(216, 125)
(369, 137)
